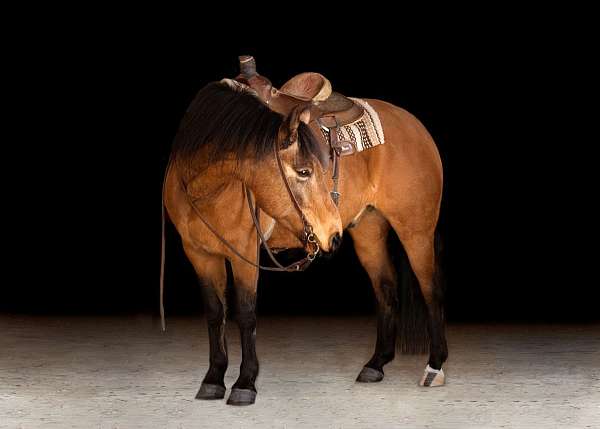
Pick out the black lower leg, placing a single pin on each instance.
(387, 304)
(386, 327)
(215, 316)
(436, 326)
(247, 323)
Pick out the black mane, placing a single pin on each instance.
(232, 124)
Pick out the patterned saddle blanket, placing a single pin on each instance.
(364, 133)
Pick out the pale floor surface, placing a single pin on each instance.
(123, 372)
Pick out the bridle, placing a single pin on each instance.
(308, 237)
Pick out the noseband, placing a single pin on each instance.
(308, 239)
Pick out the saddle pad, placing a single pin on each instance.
(364, 133)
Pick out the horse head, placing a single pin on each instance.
(292, 185)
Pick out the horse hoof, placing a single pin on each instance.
(433, 377)
(210, 391)
(369, 375)
(241, 397)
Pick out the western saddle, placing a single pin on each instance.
(329, 110)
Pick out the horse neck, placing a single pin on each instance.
(219, 194)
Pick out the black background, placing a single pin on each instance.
(502, 111)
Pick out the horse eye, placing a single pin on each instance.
(304, 172)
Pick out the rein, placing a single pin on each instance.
(308, 239)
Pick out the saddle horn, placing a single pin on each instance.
(247, 66)
(248, 76)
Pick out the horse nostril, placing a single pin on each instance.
(334, 242)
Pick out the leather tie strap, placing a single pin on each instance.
(337, 147)
(335, 152)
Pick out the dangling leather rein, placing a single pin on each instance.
(308, 239)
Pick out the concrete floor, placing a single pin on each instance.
(123, 372)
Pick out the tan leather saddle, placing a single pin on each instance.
(329, 110)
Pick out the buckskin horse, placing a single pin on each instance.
(249, 167)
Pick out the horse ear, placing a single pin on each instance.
(299, 114)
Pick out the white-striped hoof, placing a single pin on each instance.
(433, 377)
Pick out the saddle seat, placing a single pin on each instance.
(307, 87)
(328, 108)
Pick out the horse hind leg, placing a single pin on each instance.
(370, 243)
(420, 249)
(213, 280)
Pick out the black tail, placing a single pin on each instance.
(413, 314)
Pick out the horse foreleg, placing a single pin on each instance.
(213, 279)
(245, 281)
(370, 238)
